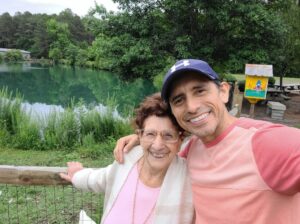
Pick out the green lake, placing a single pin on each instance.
(61, 85)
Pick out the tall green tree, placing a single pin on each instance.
(7, 30)
(59, 39)
(287, 61)
(226, 33)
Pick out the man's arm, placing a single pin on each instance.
(277, 155)
(125, 144)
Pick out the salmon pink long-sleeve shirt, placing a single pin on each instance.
(248, 175)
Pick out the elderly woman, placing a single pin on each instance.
(152, 186)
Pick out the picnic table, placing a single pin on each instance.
(273, 93)
(292, 86)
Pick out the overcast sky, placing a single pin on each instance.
(79, 7)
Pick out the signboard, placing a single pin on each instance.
(259, 70)
(256, 87)
(257, 80)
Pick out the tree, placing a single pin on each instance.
(288, 60)
(59, 39)
(7, 30)
(76, 27)
(226, 33)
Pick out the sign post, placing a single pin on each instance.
(256, 84)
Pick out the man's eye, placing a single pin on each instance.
(177, 101)
(199, 91)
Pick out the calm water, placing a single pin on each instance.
(59, 85)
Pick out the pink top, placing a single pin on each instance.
(146, 197)
(249, 174)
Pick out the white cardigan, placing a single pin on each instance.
(174, 204)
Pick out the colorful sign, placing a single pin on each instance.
(257, 77)
(256, 87)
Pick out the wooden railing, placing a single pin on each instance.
(53, 201)
(31, 175)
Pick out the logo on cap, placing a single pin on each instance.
(183, 63)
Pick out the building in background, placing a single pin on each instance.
(25, 54)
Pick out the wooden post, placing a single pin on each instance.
(251, 111)
(32, 175)
(237, 100)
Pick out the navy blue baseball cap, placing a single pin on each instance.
(180, 68)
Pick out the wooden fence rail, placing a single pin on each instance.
(31, 175)
(36, 195)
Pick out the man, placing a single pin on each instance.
(242, 170)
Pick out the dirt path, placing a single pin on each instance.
(291, 115)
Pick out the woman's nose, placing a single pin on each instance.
(158, 142)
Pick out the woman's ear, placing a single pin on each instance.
(224, 91)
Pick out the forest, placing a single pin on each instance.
(144, 38)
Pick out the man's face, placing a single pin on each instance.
(199, 106)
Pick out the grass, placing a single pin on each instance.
(68, 129)
(39, 204)
(19, 157)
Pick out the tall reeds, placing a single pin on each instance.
(74, 127)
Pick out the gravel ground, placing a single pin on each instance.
(291, 115)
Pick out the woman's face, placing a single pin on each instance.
(160, 141)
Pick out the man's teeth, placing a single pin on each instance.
(202, 116)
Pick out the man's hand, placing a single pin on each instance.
(73, 167)
(125, 144)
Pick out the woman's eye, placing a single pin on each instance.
(168, 136)
(149, 134)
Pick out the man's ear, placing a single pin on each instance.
(224, 91)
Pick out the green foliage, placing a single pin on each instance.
(158, 79)
(55, 54)
(75, 127)
(92, 150)
(287, 59)
(60, 46)
(27, 134)
(137, 41)
(271, 81)
(13, 56)
(228, 78)
(1, 58)
(9, 111)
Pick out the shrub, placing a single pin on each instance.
(75, 127)
(92, 150)
(13, 56)
(271, 82)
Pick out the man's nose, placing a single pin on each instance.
(191, 105)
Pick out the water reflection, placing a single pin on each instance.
(41, 112)
(63, 85)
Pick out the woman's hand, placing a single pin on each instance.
(125, 144)
(73, 167)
